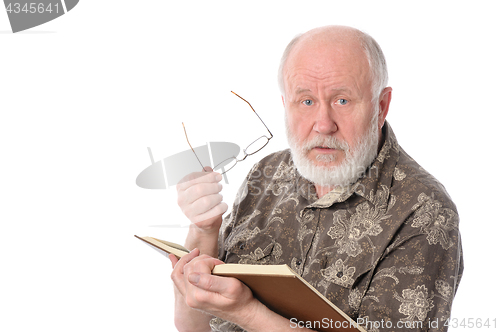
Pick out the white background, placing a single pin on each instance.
(83, 96)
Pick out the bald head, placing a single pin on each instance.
(337, 43)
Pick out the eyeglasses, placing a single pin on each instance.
(251, 149)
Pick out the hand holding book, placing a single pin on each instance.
(227, 298)
(271, 285)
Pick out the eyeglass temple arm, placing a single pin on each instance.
(253, 111)
(185, 133)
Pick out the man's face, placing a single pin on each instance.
(329, 102)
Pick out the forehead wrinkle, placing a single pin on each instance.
(318, 73)
(301, 83)
(341, 89)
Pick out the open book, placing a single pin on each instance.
(280, 289)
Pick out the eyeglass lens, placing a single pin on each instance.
(256, 145)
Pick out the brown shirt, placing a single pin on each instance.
(385, 249)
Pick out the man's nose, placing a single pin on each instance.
(325, 121)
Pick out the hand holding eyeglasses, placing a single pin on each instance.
(198, 193)
(200, 200)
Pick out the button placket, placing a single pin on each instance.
(309, 218)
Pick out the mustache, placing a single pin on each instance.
(326, 142)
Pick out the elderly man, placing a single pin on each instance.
(345, 206)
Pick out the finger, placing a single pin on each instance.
(177, 275)
(227, 287)
(201, 264)
(190, 256)
(201, 205)
(179, 266)
(198, 177)
(217, 210)
(173, 259)
(197, 191)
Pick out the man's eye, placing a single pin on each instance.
(342, 101)
(307, 102)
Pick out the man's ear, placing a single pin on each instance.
(384, 102)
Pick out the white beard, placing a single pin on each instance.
(353, 166)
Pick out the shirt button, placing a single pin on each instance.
(298, 262)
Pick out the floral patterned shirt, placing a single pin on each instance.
(386, 250)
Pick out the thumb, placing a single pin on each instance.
(211, 283)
